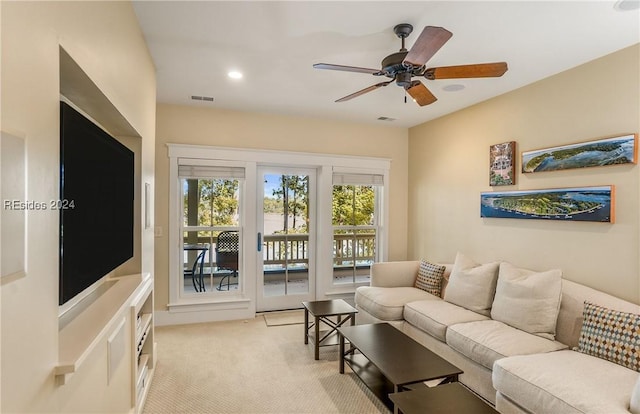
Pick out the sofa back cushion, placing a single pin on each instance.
(528, 300)
(394, 274)
(570, 317)
(472, 285)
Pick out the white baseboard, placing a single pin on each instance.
(164, 318)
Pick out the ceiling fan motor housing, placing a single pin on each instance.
(394, 68)
(392, 64)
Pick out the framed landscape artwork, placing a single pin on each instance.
(566, 204)
(622, 149)
(502, 167)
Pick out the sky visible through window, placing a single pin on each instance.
(271, 182)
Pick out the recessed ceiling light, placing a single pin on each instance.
(234, 74)
(455, 87)
(626, 5)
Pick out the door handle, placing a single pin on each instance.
(259, 241)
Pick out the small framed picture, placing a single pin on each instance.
(502, 168)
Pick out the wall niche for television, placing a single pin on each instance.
(83, 96)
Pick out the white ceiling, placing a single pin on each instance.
(274, 44)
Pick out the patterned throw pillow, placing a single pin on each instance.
(430, 277)
(611, 335)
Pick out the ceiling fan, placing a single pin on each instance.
(402, 66)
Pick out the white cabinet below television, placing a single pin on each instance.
(143, 345)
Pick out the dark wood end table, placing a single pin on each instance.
(322, 311)
(451, 398)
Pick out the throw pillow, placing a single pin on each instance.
(634, 407)
(472, 285)
(528, 300)
(430, 277)
(612, 335)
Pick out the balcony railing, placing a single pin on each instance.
(292, 250)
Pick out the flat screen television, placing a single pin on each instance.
(96, 203)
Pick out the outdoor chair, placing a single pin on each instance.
(196, 271)
(227, 256)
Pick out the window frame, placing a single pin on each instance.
(379, 184)
(184, 228)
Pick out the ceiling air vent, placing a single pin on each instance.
(202, 98)
(385, 118)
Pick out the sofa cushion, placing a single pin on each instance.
(612, 335)
(528, 300)
(429, 277)
(634, 405)
(564, 382)
(386, 303)
(434, 316)
(472, 285)
(487, 341)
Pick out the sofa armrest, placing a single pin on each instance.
(394, 274)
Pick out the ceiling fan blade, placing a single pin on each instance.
(429, 42)
(345, 68)
(420, 94)
(481, 70)
(363, 91)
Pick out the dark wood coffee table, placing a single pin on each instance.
(322, 311)
(389, 359)
(451, 398)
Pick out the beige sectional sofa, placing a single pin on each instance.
(503, 361)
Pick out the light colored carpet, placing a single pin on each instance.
(247, 367)
(284, 318)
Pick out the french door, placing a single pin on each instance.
(304, 230)
(286, 237)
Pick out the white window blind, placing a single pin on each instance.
(357, 179)
(209, 171)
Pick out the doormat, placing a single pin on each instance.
(284, 318)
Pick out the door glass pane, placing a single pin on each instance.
(210, 220)
(355, 232)
(286, 234)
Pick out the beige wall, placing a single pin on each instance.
(106, 42)
(448, 168)
(217, 127)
